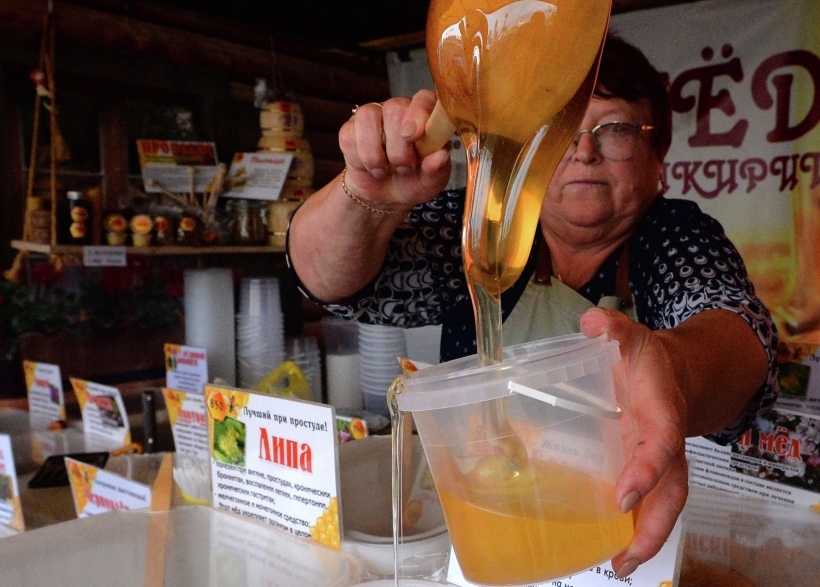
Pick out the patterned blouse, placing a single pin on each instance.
(680, 263)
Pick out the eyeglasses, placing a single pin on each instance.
(615, 141)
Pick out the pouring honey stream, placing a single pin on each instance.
(514, 78)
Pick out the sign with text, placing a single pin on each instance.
(189, 425)
(776, 460)
(11, 511)
(103, 411)
(104, 256)
(46, 401)
(186, 368)
(276, 460)
(97, 491)
(258, 176)
(177, 166)
(745, 93)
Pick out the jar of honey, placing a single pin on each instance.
(79, 212)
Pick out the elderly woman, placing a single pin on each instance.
(613, 256)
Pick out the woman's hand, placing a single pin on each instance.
(654, 481)
(383, 167)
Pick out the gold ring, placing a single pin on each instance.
(356, 107)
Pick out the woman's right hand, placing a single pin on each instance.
(383, 166)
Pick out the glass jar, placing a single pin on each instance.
(79, 212)
(249, 222)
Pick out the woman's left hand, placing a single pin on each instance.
(654, 482)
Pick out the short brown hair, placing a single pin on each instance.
(626, 73)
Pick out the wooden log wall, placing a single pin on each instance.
(151, 49)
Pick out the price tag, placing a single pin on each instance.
(189, 422)
(258, 176)
(174, 165)
(11, 511)
(97, 491)
(186, 368)
(103, 412)
(46, 402)
(106, 256)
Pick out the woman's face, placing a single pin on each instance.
(592, 198)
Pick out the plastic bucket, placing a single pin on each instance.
(525, 455)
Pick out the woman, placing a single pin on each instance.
(612, 256)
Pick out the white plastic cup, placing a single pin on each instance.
(259, 296)
(555, 400)
(344, 389)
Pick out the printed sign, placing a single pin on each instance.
(773, 461)
(46, 402)
(258, 176)
(176, 166)
(105, 256)
(186, 368)
(11, 511)
(189, 422)
(97, 491)
(103, 412)
(746, 148)
(276, 460)
(799, 376)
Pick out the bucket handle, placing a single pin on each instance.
(542, 396)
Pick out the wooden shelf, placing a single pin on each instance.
(154, 251)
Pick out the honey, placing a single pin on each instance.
(558, 522)
(515, 79)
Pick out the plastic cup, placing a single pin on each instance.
(341, 336)
(259, 296)
(553, 513)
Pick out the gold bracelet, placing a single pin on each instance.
(366, 205)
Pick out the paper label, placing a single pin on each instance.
(189, 422)
(11, 511)
(276, 460)
(258, 176)
(46, 401)
(105, 256)
(186, 368)
(103, 411)
(97, 491)
(172, 163)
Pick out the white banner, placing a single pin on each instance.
(745, 90)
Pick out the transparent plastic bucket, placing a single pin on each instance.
(525, 455)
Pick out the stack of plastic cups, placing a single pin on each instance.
(260, 334)
(304, 351)
(380, 348)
